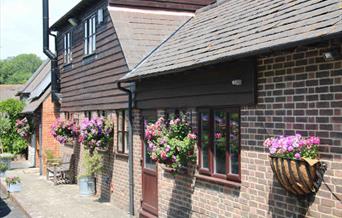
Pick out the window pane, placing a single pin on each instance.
(204, 139)
(120, 119)
(148, 163)
(234, 126)
(220, 121)
(120, 142)
(86, 37)
(126, 142)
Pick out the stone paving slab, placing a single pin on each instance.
(41, 199)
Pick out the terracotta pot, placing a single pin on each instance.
(296, 176)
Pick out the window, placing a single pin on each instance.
(219, 143)
(90, 35)
(67, 48)
(148, 117)
(122, 133)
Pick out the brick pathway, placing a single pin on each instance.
(40, 198)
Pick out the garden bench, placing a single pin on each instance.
(60, 168)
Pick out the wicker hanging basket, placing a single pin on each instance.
(297, 176)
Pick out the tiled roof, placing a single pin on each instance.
(9, 91)
(37, 88)
(230, 29)
(140, 31)
(41, 74)
(33, 105)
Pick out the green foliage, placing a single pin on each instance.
(10, 140)
(17, 70)
(92, 163)
(3, 167)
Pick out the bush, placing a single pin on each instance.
(10, 140)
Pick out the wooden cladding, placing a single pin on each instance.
(89, 82)
(208, 86)
(176, 5)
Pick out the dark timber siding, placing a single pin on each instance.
(178, 5)
(210, 86)
(90, 84)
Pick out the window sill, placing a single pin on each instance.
(123, 155)
(218, 181)
(67, 67)
(87, 59)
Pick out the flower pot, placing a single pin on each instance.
(14, 187)
(87, 185)
(297, 176)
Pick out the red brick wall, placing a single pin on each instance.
(298, 91)
(50, 113)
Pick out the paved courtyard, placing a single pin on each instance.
(40, 198)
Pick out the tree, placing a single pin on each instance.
(18, 69)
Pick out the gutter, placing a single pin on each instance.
(52, 56)
(130, 146)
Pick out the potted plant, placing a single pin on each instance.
(3, 168)
(92, 165)
(64, 131)
(171, 143)
(294, 161)
(6, 158)
(13, 184)
(95, 134)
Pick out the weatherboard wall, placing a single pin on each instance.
(89, 82)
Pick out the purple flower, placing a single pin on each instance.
(290, 149)
(273, 150)
(167, 148)
(297, 156)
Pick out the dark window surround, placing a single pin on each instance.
(90, 36)
(122, 130)
(67, 49)
(210, 171)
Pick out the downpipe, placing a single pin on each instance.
(130, 144)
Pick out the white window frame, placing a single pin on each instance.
(67, 48)
(90, 35)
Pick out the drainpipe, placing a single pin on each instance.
(49, 53)
(130, 144)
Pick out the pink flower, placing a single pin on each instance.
(218, 135)
(192, 136)
(297, 156)
(163, 155)
(290, 149)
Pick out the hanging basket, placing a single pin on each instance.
(297, 176)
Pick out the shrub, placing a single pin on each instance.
(10, 140)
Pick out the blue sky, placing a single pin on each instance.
(21, 25)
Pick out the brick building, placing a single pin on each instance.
(40, 108)
(98, 42)
(278, 67)
(273, 68)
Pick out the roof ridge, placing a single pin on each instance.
(210, 6)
